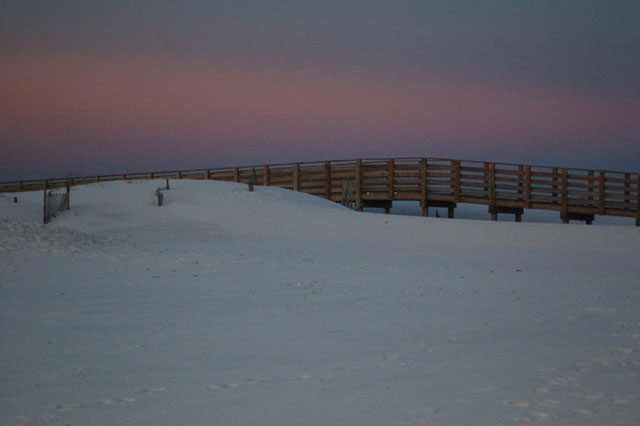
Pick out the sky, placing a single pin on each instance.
(92, 87)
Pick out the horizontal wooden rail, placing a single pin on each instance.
(434, 182)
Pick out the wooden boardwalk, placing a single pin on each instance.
(577, 194)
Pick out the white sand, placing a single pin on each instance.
(275, 307)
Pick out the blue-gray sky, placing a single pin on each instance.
(95, 86)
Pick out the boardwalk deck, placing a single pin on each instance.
(577, 194)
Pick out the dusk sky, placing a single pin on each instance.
(90, 87)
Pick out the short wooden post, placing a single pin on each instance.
(207, 174)
(492, 192)
(265, 175)
(19, 186)
(327, 180)
(601, 192)
(124, 177)
(390, 173)
(296, 177)
(68, 188)
(236, 175)
(527, 193)
(97, 179)
(44, 203)
(564, 212)
(151, 175)
(359, 185)
(178, 174)
(423, 187)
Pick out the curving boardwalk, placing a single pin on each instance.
(577, 194)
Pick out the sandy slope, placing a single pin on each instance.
(274, 307)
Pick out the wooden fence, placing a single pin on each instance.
(578, 194)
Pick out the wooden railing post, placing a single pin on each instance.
(151, 175)
(236, 175)
(390, 173)
(124, 177)
(359, 185)
(627, 190)
(327, 180)
(207, 174)
(492, 192)
(296, 177)
(456, 180)
(423, 187)
(564, 209)
(555, 184)
(601, 192)
(638, 200)
(521, 184)
(178, 174)
(527, 193)
(590, 178)
(265, 175)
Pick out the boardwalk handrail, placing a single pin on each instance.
(435, 182)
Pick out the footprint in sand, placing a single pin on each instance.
(348, 369)
(617, 400)
(591, 396)
(539, 415)
(602, 362)
(548, 403)
(521, 404)
(231, 385)
(67, 407)
(618, 349)
(153, 390)
(583, 367)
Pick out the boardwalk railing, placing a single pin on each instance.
(578, 194)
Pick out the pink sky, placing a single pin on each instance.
(160, 112)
